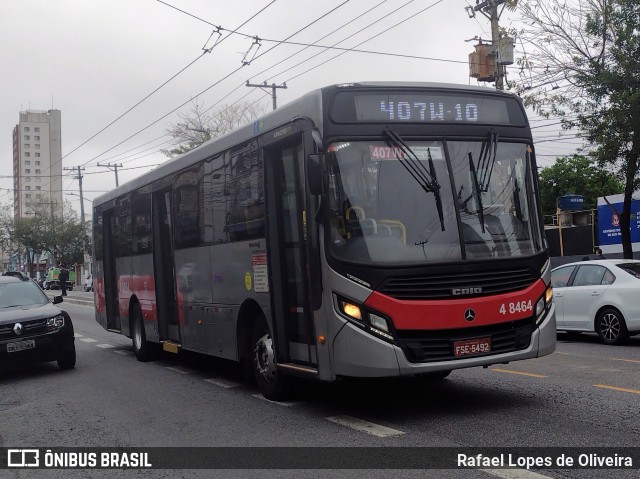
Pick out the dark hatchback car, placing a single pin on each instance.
(31, 327)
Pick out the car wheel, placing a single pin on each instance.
(141, 346)
(611, 327)
(272, 383)
(68, 359)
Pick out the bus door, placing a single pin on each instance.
(288, 263)
(164, 268)
(110, 278)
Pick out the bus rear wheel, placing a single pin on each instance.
(141, 346)
(273, 385)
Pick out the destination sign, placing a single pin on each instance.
(426, 108)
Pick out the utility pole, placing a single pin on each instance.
(502, 48)
(84, 228)
(115, 167)
(273, 87)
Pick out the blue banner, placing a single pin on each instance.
(609, 223)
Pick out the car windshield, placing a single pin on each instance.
(410, 202)
(23, 293)
(632, 268)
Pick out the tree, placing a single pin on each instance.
(200, 125)
(43, 232)
(583, 64)
(578, 175)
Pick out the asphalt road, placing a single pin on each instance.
(585, 395)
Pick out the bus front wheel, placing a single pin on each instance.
(141, 346)
(271, 382)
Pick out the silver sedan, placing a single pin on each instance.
(601, 296)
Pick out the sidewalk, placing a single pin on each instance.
(73, 297)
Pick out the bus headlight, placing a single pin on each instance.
(350, 309)
(368, 320)
(543, 304)
(378, 322)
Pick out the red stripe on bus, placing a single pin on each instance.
(450, 313)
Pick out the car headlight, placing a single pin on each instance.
(55, 323)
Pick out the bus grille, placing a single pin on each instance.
(441, 286)
(428, 346)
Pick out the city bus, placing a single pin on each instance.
(362, 230)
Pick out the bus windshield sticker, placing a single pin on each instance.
(379, 152)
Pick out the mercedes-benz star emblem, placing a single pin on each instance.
(469, 315)
(18, 328)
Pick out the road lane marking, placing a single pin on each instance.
(564, 354)
(365, 426)
(89, 340)
(223, 383)
(105, 346)
(77, 335)
(626, 390)
(509, 371)
(515, 474)
(625, 360)
(280, 403)
(124, 353)
(177, 369)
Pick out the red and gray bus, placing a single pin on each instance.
(363, 230)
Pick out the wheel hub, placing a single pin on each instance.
(265, 357)
(610, 326)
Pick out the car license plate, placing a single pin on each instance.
(471, 346)
(21, 346)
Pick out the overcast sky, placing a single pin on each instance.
(96, 59)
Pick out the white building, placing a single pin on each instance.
(37, 162)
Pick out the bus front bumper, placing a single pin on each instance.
(357, 353)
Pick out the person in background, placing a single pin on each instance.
(598, 253)
(63, 277)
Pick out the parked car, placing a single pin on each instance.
(598, 296)
(88, 283)
(32, 328)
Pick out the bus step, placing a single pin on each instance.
(170, 347)
(298, 368)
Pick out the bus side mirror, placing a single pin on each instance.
(314, 173)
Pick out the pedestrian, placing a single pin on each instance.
(63, 277)
(598, 253)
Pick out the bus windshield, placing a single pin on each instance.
(383, 201)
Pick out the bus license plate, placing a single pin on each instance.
(21, 346)
(472, 346)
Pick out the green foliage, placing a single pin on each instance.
(48, 230)
(578, 175)
(583, 65)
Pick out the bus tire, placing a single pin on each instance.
(272, 383)
(141, 346)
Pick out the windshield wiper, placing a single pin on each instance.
(516, 199)
(476, 191)
(427, 179)
(487, 159)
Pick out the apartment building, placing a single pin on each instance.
(37, 162)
